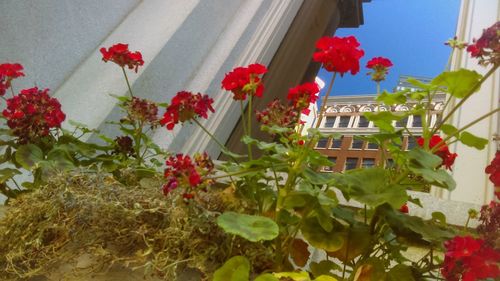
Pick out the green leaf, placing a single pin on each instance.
(419, 84)
(424, 158)
(449, 129)
(439, 217)
(265, 146)
(252, 228)
(266, 277)
(473, 141)
(400, 272)
(325, 278)
(235, 269)
(383, 119)
(320, 238)
(436, 177)
(371, 187)
(324, 267)
(295, 276)
(458, 83)
(413, 227)
(28, 156)
(8, 173)
(392, 98)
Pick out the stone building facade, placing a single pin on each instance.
(344, 118)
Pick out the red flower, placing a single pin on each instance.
(120, 54)
(339, 54)
(469, 259)
(303, 95)
(490, 223)
(404, 209)
(8, 72)
(186, 106)
(487, 47)
(494, 170)
(380, 66)
(181, 171)
(277, 114)
(447, 157)
(31, 114)
(243, 81)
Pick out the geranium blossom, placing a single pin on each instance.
(32, 113)
(487, 47)
(447, 157)
(120, 54)
(339, 54)
(186, 106)
(490, 223)
(8, 72)
(243, 81)
(380, 67)
(493, 169)
(404, 209)
(303, 95)
(182, 171)
(469, 259)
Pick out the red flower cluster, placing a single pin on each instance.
(32, 113)
(487, 47)
(124, 145)
(120, 54)
(380, 67)
(469, 259)
(182, 171)
(277, 114)
(303, 95)
(493, 169)
(186, 106)
(143, 110)
(243, 81)
(9, 71)
(339, 54)
(443, 151)
(490, 224)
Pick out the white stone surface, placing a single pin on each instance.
(473, 185)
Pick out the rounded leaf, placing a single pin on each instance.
(235, 269)
(252, 228)
(320, 238)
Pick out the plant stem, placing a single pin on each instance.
(249, 125)
(346, 254)
(243, 119)
(437, 146)
(12, 89)
(128, 83)
(325, 98)
(378, 88)
(137, 138)
(224, 148)
(466, 97)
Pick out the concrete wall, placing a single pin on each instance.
(473, 185)
(50, 38)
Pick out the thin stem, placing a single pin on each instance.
(325, 98)
(128, 83)
(466, 97)
(346, 254)
(438, 145)
(12, 90)
(137, 138)
(249, 125)
(378, 88)
(243, 119)
(224, 148)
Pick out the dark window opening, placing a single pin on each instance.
(363, 122)
(412, 142)
(351, 163)
(417, 121)
(330, 121)
(337, 143)
(357, 144)
(372, 145)
(368, 162)
(344, 121)
(402, 123)
(322, 143)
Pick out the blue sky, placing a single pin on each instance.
(411, 33)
